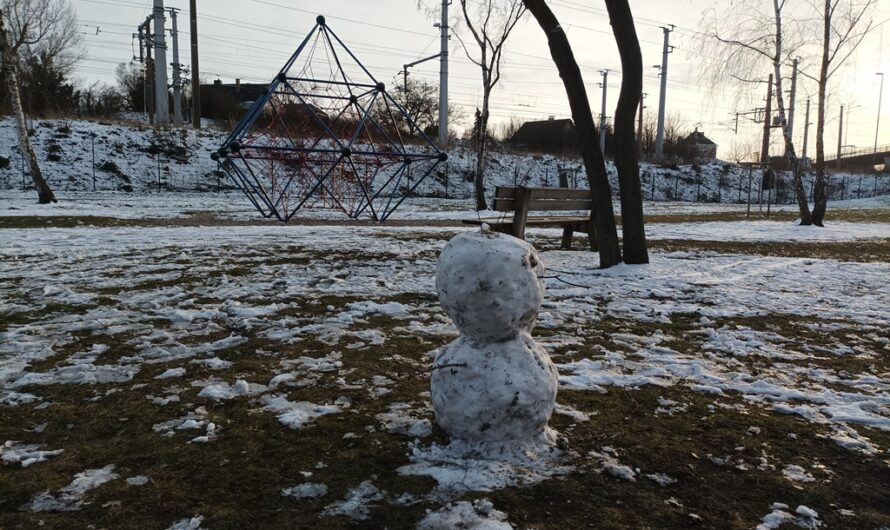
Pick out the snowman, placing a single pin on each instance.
(494, 385)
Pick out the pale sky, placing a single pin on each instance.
(251, 39)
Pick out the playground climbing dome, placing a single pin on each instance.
(326, 133)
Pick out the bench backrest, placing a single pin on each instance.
(513, 198)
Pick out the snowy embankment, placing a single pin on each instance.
(138, 160)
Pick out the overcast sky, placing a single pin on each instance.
(251, 39)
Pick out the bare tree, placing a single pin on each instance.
(743, 150)
(45, 28)
(750, 40)
(505, 130)
(602, 218)
(131, 85)
(632, 226)
(490, 24)
(844, 26)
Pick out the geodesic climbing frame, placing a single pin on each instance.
(325, 133)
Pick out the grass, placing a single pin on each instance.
(206, 218)
(873, 250)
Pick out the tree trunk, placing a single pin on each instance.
(820, 198)
(790, 153)
(632, 226)
(44, 193)
(601, 212)
(481, 148)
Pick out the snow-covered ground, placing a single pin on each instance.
(309, 338)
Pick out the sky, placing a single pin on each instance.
(251, 40)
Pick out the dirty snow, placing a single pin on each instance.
(70, 498)
(305, 490)
(479, 515)
(12, 452)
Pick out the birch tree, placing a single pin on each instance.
(489, 23)
(748, 41)
(43, 28)
(845, 24)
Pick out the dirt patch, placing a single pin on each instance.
(876, 250)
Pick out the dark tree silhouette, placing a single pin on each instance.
(632, 226)
(601, 215)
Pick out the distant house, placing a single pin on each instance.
(228, 100)
(547, 136)
(702, 149)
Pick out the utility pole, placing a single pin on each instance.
(149, 72)
(443, 77)
(806, 131)
(162, 112)
(196, 82)
(792, 99)
(640, 127)
(604, 84)
(177, 73)
(840, 137)
(878, 124)
(764, 147)
(659, 137)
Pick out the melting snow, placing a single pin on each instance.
(70, 498)
(357, 503)
(296, 414)
(12, 452)
(477, 516)
(305, 490)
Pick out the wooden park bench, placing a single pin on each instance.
(521, 200)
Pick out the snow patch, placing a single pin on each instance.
(70, 498)
(357, 503)
(296, 414)
(305, 490)
(479, 515)
(12, 452)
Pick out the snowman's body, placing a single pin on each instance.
(494, 383)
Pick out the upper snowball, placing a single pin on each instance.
(490, 285)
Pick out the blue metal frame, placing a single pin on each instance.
(244, 153)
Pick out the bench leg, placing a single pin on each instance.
(567, 233)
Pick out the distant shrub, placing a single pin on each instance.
(110, 167)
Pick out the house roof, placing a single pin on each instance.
(541, 129)
(242, 92)
(698, 137)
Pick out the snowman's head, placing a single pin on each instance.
(490, 284)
